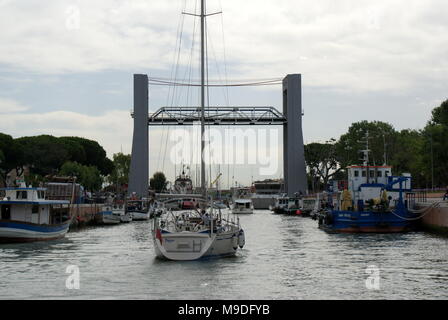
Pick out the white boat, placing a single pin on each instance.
(26, 216)
(266, 192)
(189, 236)
(156, 209)
(108, 215)
(243, 206)
(138, 208)
(125, 217)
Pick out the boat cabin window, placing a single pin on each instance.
(364, 173)
(356, 173)
(248, 205)
(40, 194)
(380, 174)
(6, 212)
(21, 195)
(35, 209)
(372, 174)
(387, 173)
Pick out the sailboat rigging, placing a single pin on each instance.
(198, 234)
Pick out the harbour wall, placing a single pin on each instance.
(84, 214)
(436, 219)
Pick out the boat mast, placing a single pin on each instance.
(203, 187)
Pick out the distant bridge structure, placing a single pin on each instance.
(294, 168)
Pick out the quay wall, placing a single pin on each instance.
(436, 219)
(84, 214)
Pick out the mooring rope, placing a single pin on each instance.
(424, 211)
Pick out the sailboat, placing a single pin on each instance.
(193, 235)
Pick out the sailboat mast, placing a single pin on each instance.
(203, 188)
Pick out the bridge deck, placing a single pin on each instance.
(217, 116)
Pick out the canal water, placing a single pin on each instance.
(285, 257)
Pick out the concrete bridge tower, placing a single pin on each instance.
(139, 172)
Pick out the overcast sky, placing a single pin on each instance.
(66, 66)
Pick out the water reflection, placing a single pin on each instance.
(285, 257)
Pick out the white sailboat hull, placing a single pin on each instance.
(140, 216)
(187, 246)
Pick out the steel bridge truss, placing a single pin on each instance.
(217, 116)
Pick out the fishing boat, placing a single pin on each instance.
(374, 202)
(27, 216)
(204, 233)
(287, 205)
(183, 183)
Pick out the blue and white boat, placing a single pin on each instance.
(109, 215)
(27, 216)
(374, 202)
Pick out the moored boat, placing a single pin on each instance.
(138, 208)
(374, 202)
(125, 217)
(242, 206)
(27, 216)
(287, 205)
(265, 193)
(109, 216)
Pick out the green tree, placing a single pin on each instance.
(95, 155)
(43, 154)
(158, 182)
(88, 176)
(440, 114)
(408, 156)
(120, 173)
(11, 157)
(75, 150)
(435, 146)
(381, 143)
(322, 161)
